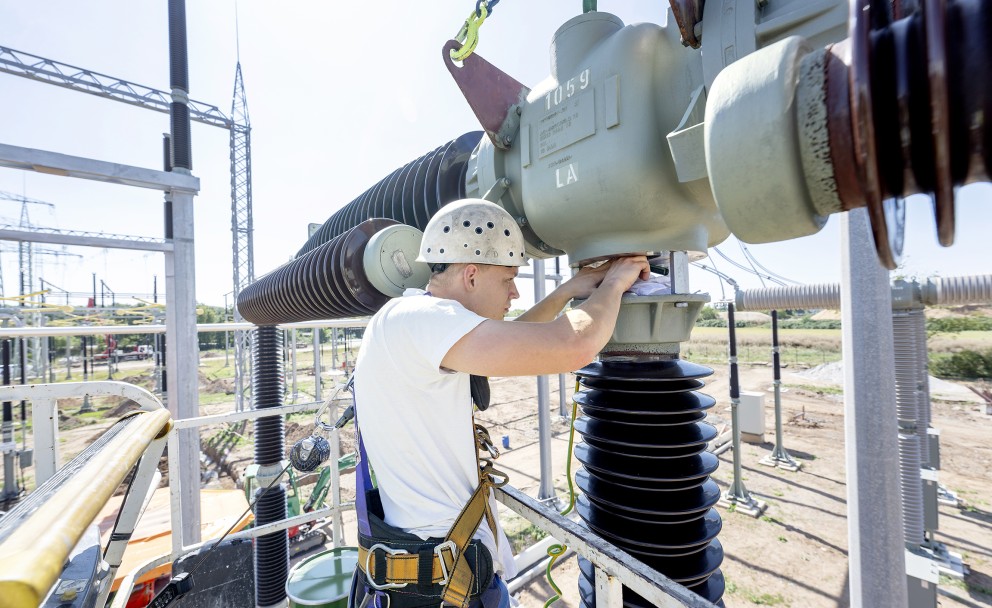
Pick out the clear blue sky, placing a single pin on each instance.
(340, 94)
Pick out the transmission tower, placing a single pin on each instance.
(241, 228)
(80, 79)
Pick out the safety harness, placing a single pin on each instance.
(410, 571)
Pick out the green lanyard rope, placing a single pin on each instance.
(557, 550)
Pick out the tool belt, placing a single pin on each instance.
(415, 572)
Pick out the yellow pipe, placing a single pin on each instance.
(31, 558)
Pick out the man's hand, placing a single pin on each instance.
(623, 272)
(619, 272)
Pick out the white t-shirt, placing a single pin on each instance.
(416, 418)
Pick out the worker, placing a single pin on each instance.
(422, 365)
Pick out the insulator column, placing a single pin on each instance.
(328, 282)
(411, 195)
(907, 409)
(646, 472)
(271, 550)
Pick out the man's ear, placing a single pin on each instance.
(470, 275)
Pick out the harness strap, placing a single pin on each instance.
(448, 566)
(363, 479)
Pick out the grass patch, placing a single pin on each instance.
(965, 585)
(521, 533)
(819, 390)
(752, 596)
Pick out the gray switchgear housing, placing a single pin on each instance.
(615, 153)
(592, 140)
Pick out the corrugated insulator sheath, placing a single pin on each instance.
(951, 291)
(919, 324)
(267, 391)
(800, 296)
(271, 553)
(645, 477)
(411, 195)
(907, 374)
(178, 62)
(911, 487)
(328, 282)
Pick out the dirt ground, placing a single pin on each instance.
(796, 554)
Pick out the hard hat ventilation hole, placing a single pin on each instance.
(440, 250)
(506, 231)
(478, 230)
(465, 245)
(477, 252)
(490, 225)
(466, 223)
(429, 250)
(511, 253)
(447, 229)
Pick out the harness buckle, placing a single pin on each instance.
(368, 571)
(451, 546)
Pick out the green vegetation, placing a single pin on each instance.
(967, 585)
(521, 533)
(819, 390)
(958, 324)
(760, 599)
(967, 364)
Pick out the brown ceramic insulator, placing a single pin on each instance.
(933, 19)
(907, 111)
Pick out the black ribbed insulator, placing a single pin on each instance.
(267, 388)
(645, 483)
(271, 550)
(178, 62)
(182, 149)
(326, 283)
(411, 195)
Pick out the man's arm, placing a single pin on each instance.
(580, 286)
(502, 348)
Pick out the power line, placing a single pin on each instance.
(741, 245)
(746, 269)
(747, 252)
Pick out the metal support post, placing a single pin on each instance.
(7, 443)
(68, 357)
(334, 347)
(737, 495)
(87, 362)
(547, 487)
(50, 357)
(780, 456)
(316, 364)
(295, 393)
(182, 357)
(563, 409)
(875, 525)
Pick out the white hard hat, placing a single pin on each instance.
(470, 231)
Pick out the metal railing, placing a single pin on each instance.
(615, 569)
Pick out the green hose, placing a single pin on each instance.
(557, 550)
